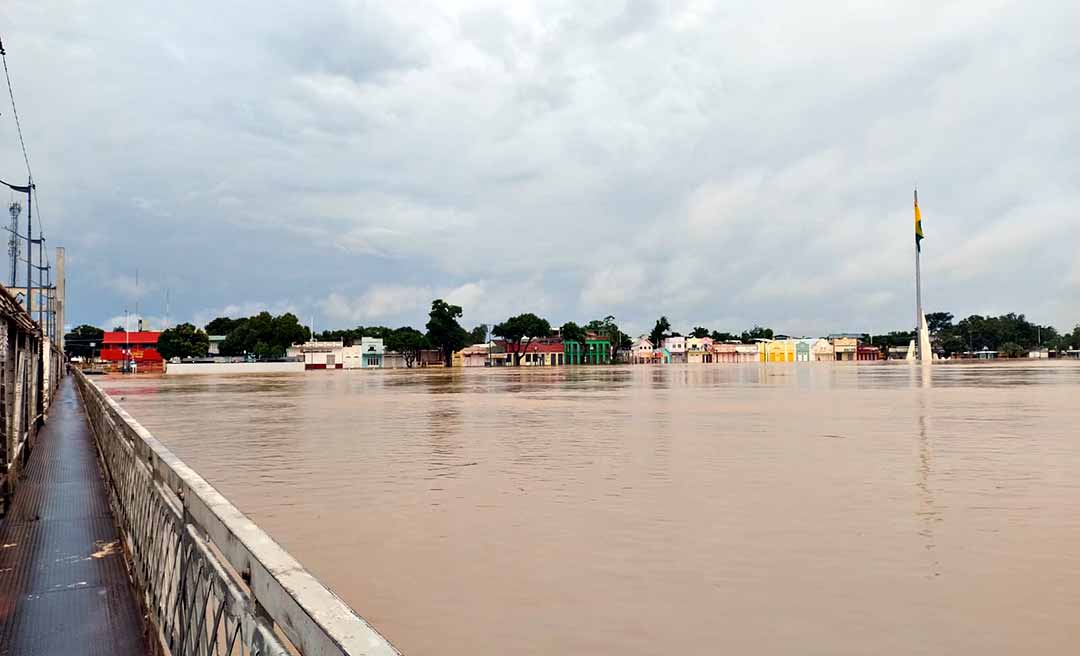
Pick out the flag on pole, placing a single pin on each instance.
(918, 224)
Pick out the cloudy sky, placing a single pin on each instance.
(724, 164)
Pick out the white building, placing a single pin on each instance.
(318, 355)
(676, 346)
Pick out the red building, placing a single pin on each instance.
(139, 347)
(868, 353)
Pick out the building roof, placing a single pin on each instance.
(121, 337)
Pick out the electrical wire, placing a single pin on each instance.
(15, 111)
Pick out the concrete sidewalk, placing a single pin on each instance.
(63, 586)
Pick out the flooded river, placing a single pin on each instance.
(780, 509)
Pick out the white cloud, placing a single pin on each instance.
(379, 302)
(695, 159)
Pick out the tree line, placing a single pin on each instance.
(265, 336)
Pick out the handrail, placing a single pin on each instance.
(178, 528)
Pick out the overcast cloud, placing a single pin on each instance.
(723, 164)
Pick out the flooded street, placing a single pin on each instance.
(780, 509)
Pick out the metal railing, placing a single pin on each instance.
(212, 581)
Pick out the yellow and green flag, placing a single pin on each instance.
(918, 224)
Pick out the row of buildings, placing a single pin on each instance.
(703, 350)
(371, 353)
(137, 351)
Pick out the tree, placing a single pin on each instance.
(222, 326)
(1011, 350)
(699, 332)
(78, 342)
(119, 329)
(526, 327)
(183, 341)
(478, 335)
(265, 336)
(660, 331)
(571, 332)
(718, 336)
(755, 333)
(444, 331)
(409, 342)
(606, 328)
(938, 322)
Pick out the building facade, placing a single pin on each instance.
(642, 351)
(676, 349)
(132, 350)
(845, 348)
(699, 350)
(372, 351)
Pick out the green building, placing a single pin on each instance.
(594, 351)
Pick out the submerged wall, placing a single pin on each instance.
(189, 368)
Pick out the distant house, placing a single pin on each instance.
(641, 351)
(676, 348)
(139, 348)
(865, 352)
(372, 350)
(318, 355)
(699, 350)
(804, 350)
(724, 352)
(778, 350)
(845, 347)
(746, 353)
(822, 351)
(471, 356)
(597, 350)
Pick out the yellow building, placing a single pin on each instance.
(777, 350)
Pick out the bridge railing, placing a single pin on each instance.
(212, 581)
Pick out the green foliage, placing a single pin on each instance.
(525, 327)
(606, 328)
(571, 332)
(718, 336)
(660, 331)
(1011, 350)
(478, 335)
(978, 332)
(118, 329)
(444, 331)
(265, 336)
(938, 322)
(757, 332)
(78, 341)
(222, 326)
(699, 332)
(183, 341)
(409, 342)
(894, 338)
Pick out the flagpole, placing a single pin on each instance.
(918, 296)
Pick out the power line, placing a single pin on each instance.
(15, 111)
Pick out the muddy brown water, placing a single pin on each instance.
(699, 509)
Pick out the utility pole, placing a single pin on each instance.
(29, 247)
(14, 248)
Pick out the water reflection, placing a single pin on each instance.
(761, 508)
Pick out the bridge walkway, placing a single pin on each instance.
(63, 585)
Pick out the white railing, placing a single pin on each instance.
(212, 581)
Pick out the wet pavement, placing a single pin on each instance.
(63, 585)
